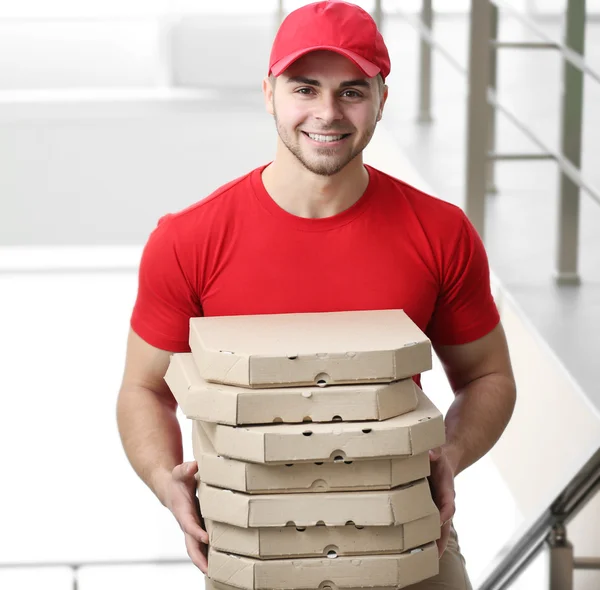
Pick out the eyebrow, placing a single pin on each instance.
(302, 80)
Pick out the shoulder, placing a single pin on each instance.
(440, 220)
(209, 209)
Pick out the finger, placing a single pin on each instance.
(443, 495)
(447, 509)
(184, 471)
(197, 554)
(190, 526)
(442, 542)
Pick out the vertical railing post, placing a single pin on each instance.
(493, 82)
(571, 128)
(378, 16)
(425, 65)
(477, 113)
(560, 559)
(280, 12)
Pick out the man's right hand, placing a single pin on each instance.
(179, 493)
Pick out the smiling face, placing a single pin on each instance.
(325, 110)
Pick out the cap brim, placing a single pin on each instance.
(368, 68)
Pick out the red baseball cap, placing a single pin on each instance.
(333, 25)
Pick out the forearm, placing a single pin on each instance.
(150, 434)
(477, 418)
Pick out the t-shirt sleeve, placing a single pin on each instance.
(165, 299)
(465, 309)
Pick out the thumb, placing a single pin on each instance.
(185, 470)
(435, 454)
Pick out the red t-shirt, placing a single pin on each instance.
(237, 252)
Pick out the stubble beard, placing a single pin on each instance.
(328, 164)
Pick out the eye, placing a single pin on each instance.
(351, 94)
(305, 91)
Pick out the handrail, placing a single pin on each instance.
(482, 126)
(427, 34)
(571, 171)
(571, 56)
(528, 542)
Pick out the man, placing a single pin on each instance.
(317, 230)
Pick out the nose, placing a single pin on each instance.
(328, 108)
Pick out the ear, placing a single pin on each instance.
(268, 90)
(382, 103)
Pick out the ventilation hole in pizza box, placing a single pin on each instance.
(424, 419)
(307, 419)
(336, 419)
(327, 585)
(293, 357)
(289, 464)
(348, 462)
(367, 430)
(307, 432)
(290, 523)
(322, 379)
(320, 523)
(359, 527)
(319, 484)
(338, 456)
(300, 529)
(277, 420)
(331, 551)
(319, 463)
(350, 523)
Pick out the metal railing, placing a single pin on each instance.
(550, 530)
(483, 105)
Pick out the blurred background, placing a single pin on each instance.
(113, 113)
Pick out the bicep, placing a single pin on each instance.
(464, 363)
(145, 367)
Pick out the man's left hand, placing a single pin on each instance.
(442, 489)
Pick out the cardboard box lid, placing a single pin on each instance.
(309, 349)
(369, 571)
(321, 541)
(410, 434)
(227, 404)
(374, 508)
(376, 474)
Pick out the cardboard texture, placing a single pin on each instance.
(409, 434)
(372, 571)
(226, 404)
(309, 349)
(377, 474)
(380, 508)
(322, 541)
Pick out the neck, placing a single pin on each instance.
(305, 194)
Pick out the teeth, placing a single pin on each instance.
(325, 138)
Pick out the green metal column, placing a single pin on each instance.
(425, 63)
(378, 16)
(571, 131)
(491, 165)
(478, 113)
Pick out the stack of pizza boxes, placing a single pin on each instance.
(312, 443)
